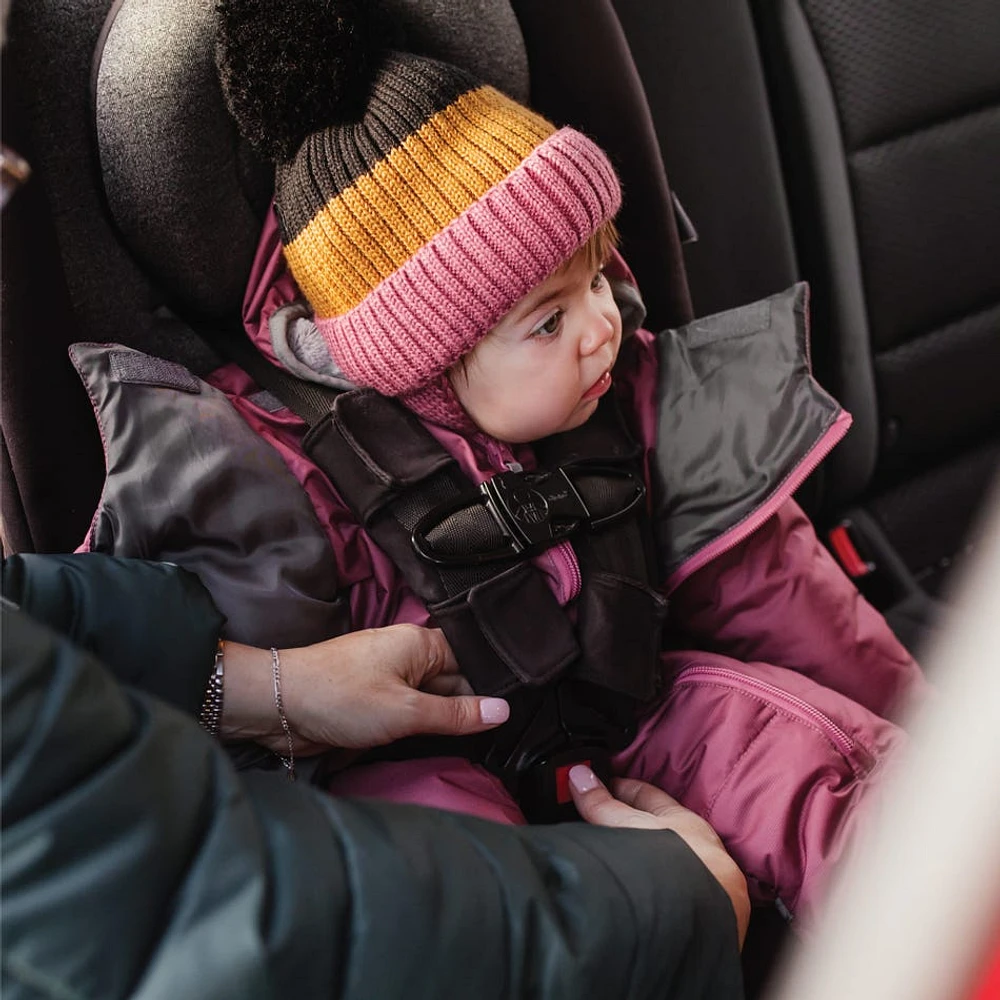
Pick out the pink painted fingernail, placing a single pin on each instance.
(582, 778)
(493, 710)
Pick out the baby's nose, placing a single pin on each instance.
(600, 330)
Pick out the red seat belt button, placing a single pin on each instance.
(850, 559)
(563, 794)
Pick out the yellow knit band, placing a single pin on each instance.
(368, 231)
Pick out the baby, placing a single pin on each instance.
(457, 253)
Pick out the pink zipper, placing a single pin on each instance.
(741, 531)
(567, 568)
(841, 740)
(499, 456)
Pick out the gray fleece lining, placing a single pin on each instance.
(301, 348)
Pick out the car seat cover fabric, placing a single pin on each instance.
(189, 482)
(185, 193)
(738, 414)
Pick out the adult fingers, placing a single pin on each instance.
(646, 797)
(431, 656)
(650, 799)
(448, 685)
(653, 809)
(636, 804)
(455, 716)
(597, 805)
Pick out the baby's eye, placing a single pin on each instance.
(550, 326)
(598, 281)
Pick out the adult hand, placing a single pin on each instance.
(640, 805)
(359, 690)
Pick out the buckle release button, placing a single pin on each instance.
(563, 794)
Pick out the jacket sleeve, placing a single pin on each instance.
(780, 597)
(123, 823)
(152, 623)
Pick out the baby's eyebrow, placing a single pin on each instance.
(528, 306)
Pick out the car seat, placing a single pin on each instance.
(141, 220)
(854, 145)
(143, 214)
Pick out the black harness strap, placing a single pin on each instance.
(619, 615)
(464, 550)
(306, 399)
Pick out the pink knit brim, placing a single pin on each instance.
(433, 310)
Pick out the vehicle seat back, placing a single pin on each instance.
(862, 144)
(892, 112)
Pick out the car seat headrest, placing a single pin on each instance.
(186, 194)
(482, 36)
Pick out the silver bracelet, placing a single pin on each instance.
(288, 761)
(211, 708)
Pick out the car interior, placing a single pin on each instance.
(854, 145)
(848, 144)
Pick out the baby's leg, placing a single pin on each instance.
(448, 783)
(782, 768)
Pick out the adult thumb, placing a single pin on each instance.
(459, 715)
(595, 803)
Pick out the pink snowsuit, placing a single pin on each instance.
(775, 726)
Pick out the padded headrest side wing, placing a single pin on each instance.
(583, 74)
(185, 192)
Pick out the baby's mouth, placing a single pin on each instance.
(599, 388)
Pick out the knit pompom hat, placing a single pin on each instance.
(415, 225)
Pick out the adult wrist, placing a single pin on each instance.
(248, 711)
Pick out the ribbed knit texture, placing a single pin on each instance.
(414, 230)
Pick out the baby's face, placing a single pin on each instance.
(545, 365)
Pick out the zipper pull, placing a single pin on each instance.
(498, 455)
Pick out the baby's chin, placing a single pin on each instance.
(581, 415)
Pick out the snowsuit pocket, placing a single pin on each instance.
(782, 768)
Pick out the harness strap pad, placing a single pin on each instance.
(490, 623)
(378, 449)
(619, 627)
